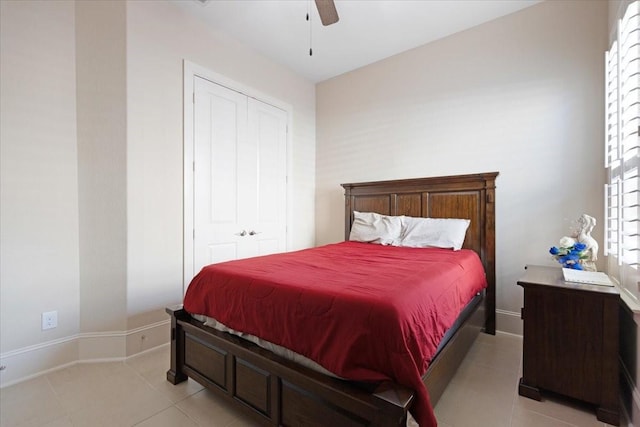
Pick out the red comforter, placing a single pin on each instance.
(363, 311)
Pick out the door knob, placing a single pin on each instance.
(242, 233)
(253, 233)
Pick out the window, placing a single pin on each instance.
(622, 152)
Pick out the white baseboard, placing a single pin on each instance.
(509, 322)
(32, 361)
(147, 337)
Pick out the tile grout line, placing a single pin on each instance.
(174, 404)
(67, 414)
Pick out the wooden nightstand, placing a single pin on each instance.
(570, 344)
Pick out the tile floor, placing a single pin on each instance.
(135, 393)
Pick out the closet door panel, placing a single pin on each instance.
(268, 131)
(220, 128)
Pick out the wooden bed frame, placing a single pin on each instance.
(277, 392)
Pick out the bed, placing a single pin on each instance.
(276, 391)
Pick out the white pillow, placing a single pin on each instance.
(371, 227)
(433, 232)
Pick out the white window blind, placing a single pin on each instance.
(622, 151)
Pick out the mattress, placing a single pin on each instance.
(274, 348)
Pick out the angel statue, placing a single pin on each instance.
(580, 250)
(586, 224)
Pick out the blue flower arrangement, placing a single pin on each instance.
(570, 256)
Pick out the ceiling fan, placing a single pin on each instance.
(328, 15)
(327, 11)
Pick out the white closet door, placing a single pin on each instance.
(268, 133)
(239, 176)
(220, 133)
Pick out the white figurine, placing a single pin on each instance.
(582, 234)
(586, 224)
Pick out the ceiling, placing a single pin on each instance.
(368, 30)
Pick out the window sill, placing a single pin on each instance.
(631, 302)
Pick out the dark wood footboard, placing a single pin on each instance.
(275, 391)
(272, 390)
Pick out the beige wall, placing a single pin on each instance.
(92, 207)
(102, 163)
(522, 95)
(39, 253)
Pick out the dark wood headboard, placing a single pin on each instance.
(459, 196)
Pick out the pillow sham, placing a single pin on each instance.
(434, 232)
(371, 227)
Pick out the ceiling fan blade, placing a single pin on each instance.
(327, 11)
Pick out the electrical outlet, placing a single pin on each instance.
(49, 320)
